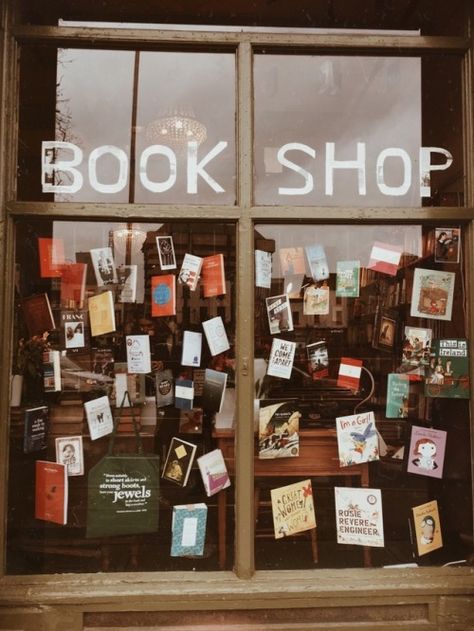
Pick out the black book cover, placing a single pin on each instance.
(35, 429)
(213, 391)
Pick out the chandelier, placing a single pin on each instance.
(176, 129)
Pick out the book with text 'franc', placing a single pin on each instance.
(188, 530)
(73, 325)
(179, 461)
(102, 313)
(190, 271)
(183, 394)
(359, 516)
(163, 295)
(38, 314)
(35, 429)
(73, 285)
(214, 390)
(213, 275)
(51, 492)
(447, 375)
(216, 335)
(357, 439)
(213, 472)
(52, 371)
(293, 509)
(51, 256)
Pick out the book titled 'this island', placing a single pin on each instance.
(51, 492)
(188, 530)
(447, 375)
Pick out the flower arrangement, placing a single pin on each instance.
(29, 358)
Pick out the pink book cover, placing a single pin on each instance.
(426, 452)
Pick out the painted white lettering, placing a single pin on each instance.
(50, 167)
(196, 168)
(121, 181)
(158, 187)
(358, 163)
(283, 160)
(426, 167)
(393, 152)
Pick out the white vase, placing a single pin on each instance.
(16, 387)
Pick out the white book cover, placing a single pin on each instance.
(357, 439)
(359, 516)
(138, 353)
(263, 269)
(104, 266)
(166, 253)
(127, 278)
(99, 417)
(216, 335)
(192, 346)
(281, 359)
(190, 271)
(213, 472)
(70, 452)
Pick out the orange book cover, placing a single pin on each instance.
(163, 295)
(51, 492)
(51, 256)
(213, 275)
(73, 284)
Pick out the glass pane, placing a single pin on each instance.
(358, 131)
(137, 124)
(102, 309)
(362, 387)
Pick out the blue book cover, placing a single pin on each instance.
(188, 530)
(184, 394)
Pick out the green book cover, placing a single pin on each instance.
(447, 376)
(397, 396)
(347, 279)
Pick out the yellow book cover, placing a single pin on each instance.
(427, 527)
(101, 313)
(293, 509)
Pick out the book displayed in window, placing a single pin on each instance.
(416, 352)
(350, 370)
(385, 258)
(213, 472)
(292, 261)
(432, 294)
(190, 271)
(51, 257)
(447, 245)
(163, 295)
(278, 429)
(216, 335)
(317, 262)
(263, 269)
(104, 266)
(70, 452)
(127, 279)
(398, 391)
(213, 275)
(52, 371)
(38, 314)
(51, 492)
(102, 313)
(347, 279)
(426, 451)
(166, 254)
(385, 329)
(179, 461)
(192, 346)
(292, 285)
(357, 439)
(188, 528)
(316, 299)
(138, 353)
(213, 390)
(73, 325)
(190, 421)
(282, 355)
(99, 417)
(318, 359)
(279, 314)
(293, 509)
(447, 375)
(426, 528)
(359, 516)
(198, 379)
(164, 388)
(73, 285)
(183, 394)
(35, 429)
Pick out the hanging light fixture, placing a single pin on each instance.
(176, 129)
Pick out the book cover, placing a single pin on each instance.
(164, 388)
(213, 390)
(316, 299)
(279, 314)
(318, 359)
(192, 346)
(447, 375)
(416, 352)
(51, 492)
(357, 439)
(292, 285)
(213, 275)
(426, 451)
(188, 530)
(103, 365)
(51, 257)
(190, 271)
(35, 429)
(384, 333)
(213, 472)
(138, 353)
(52, 371)
(216, 335)
(263, 269)
(99, 417)
(38, 314)
(165, 248)
(359, 516)
(278, 429)
(349, 373)
(163, 295)
(427, 527)
(398, 389)
(282, 355)
(447, 245)
(183, 394)
(127, 280)
(347, 279)
(102, 313)
(70, 452)
(104, 266)
(293, 509)
(179, 460)
(385, 258)
(432, 294)
(73, 325)
(291, 261)
(317, 262)
(198, 378)
(73, 285)
(191, 421)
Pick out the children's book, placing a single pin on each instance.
(282, 355)
(293, 509)
(432, 294)
(102, 313)
(104, 266)
(279, 314)
(38, 314)
(70, 452)
(278, 429)
(51, 492)
(447, 245)
(447, 375)
(316, 299)
(52, 371)
(73, 285)
(426, 530)
(416, 352)
(166, 253)
(318, 359)
(357, 439)
(163, 295)
(99, 417)
(216, 335)
(138, 353)
(426, 451)
(349, 373)
(359, 516)
(188, 530)
(317, 262)
(183, 394)
(214, 390)
(35, 430)
(51, 257)
(213, 472)
(179, 461)
(127, 279)
(73, 325)
(347, 279)
(398, 390)
(263, 269)
(385, 258)
(192, 346)
(292, 261)
(164, 388)
(190, 271)
(213, 275)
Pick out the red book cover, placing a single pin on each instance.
(38, 314)
(349, 373)
(51, 256)
(51, 492)
(73, 284)
(213, 275)
(163, 295)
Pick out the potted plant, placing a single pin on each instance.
(29, 367)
